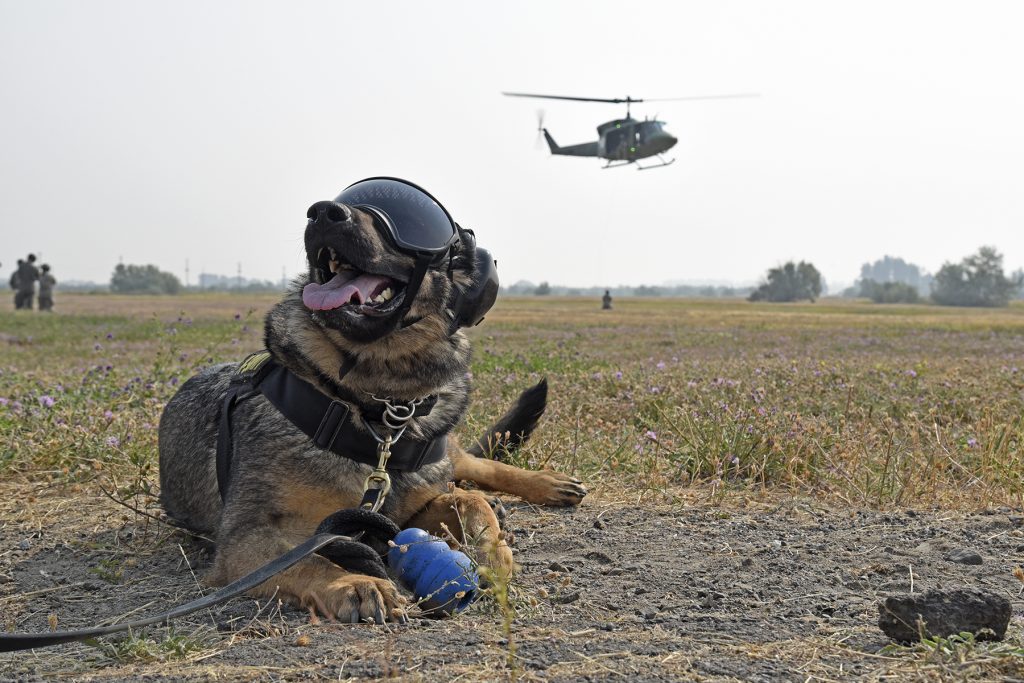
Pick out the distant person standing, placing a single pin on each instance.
(27, 276)
(606, 301)
(14, 284)
(46, 285)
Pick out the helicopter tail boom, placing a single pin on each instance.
(586, 149)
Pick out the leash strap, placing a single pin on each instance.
(340, 548)
(9, 642)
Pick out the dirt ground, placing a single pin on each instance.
(708, 590)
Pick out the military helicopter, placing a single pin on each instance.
(622, 141)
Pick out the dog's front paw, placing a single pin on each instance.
(548, 487)
(355, 598)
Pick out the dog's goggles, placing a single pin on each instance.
(416, 221)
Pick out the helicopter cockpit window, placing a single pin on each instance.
(648, 129)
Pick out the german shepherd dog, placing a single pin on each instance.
(282, 484)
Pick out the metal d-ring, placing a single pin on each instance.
(397, 415)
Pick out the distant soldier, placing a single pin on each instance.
(606, 301)
(46, 284)
(27, 276)
(14, 284)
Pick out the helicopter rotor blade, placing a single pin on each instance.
(731, 96)
(539, 140)
(616, 100)
(631, 100)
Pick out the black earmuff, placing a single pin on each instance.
(470, 306)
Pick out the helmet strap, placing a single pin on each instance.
(423, 262)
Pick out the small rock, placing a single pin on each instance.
(945, 613)
(24, 545)
(640, 590)
(964, 556)
(598, 524)
(599, 557)
(746, 562)
(649, 614)
(566, 598)
(558, 567)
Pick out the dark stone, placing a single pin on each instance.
(566, 598)
(558, 567)
(945, 613)
(964, 556)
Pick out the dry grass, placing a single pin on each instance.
(658, 402)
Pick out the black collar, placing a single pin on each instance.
(332, 426)
(329, 423)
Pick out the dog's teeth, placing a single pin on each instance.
(386, 294)
(334, 254)
(334, 266)
(379, 299)
(319, 253)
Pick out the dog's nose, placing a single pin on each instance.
(328, 213)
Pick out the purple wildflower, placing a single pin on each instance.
(108, 415)
(46, 401)
(113, 441)
(618, 374)
(660, 365)
(650, 434)
(110, 335)
(972, 442)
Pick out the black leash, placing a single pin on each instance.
(334, 539)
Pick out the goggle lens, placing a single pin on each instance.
(415, 219)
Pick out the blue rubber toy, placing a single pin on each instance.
(442, 579)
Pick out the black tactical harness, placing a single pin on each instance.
(330, 424)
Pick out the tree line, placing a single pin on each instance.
(977, 280)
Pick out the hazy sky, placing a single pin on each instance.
(160, 132)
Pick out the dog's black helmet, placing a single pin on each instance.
(419, 225)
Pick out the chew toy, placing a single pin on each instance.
(442, 579)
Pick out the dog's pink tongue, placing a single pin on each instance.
(338, 292)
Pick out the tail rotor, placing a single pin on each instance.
(539, 141)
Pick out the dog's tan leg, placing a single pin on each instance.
(543, 487)
(315, 582)
(469, 517)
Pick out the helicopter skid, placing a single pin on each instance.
(618, 164)
(663, 163)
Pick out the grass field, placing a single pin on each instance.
(660, 403)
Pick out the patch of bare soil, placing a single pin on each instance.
(607, 592)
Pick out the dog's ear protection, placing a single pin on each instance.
(470, 306)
